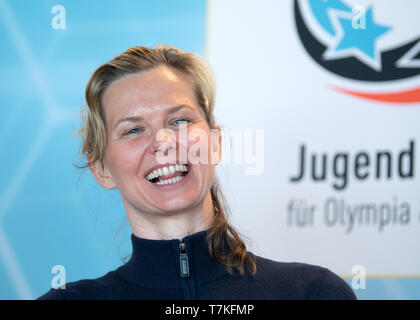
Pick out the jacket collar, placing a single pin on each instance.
(156, 263)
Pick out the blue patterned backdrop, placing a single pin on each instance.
(50, 212)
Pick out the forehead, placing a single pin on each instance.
(148, 91)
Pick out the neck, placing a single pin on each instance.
(171, 226)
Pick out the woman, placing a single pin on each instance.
(149, 131)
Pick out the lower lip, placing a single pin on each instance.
(176, 185)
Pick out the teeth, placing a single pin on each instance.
(167, 170)
(169, 181)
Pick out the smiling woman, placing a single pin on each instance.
(149, 132)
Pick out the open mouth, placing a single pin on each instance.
(168, 174)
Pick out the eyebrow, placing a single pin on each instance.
(138, 119)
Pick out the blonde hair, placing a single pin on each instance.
(93, 132)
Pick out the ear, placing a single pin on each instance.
(102, 175)
(216, 145)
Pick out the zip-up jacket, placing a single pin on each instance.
(183, 269)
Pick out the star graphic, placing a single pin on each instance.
(357, 42)
(320, 10)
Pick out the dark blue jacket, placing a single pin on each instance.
(174, 269)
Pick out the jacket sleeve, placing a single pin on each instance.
(79, 290)
(60, 294)
(329, 286)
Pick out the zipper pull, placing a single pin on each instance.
(183, 260)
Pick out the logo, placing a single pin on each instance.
(371, 45)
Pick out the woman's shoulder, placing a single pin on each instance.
(85, 289)
(307, 281)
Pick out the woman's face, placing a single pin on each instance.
(144, 115)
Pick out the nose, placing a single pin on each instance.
(165, 140)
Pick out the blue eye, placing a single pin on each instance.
(183, 120)
(135, 130)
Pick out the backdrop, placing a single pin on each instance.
(318, 101)
(329, 93)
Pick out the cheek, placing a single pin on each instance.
(199, 146)
(200, 153)
(124, 158)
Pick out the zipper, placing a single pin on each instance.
(183, 260)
